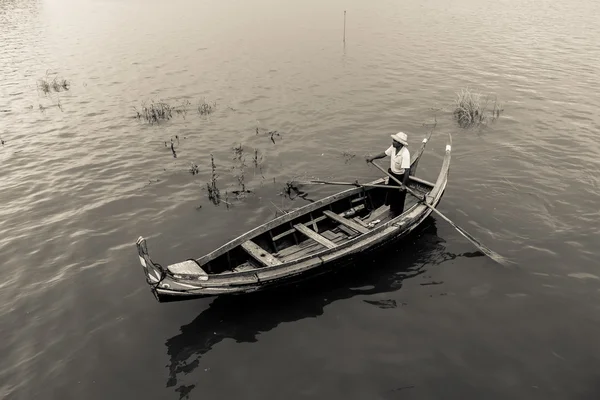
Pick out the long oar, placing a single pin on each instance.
(356, 184)
(485, 250)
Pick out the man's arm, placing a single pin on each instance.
(405, 179)
(376, 157)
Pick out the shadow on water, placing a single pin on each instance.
(243, 318)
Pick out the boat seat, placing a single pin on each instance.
(187, 267)
(265, 258)
(315, 236)
(347, 222)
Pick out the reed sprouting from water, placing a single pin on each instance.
(471, 108)
(60, 85)
(213, 190)
(182, 108)
(241, 176)
(240, 157)
(257, 160)
(44, 86)
(271, 134)
(155, 112)
(347, 156)
(47, 85)
(206, 107)
(57, 105)
(158, 111)
(291, 190)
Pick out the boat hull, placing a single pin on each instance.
(166, 295)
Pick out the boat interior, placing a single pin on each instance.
(309, 233)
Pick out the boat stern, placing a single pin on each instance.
(154, 273)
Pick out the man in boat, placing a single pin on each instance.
(399, 168)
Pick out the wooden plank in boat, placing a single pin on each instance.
(294, 250)
(347, 230)
(344, 232)
(294, 247)
(377, 213)
(283, 234)
(346, 222)
(307, 244)
(318, 219)
(260, 254)
(329, 235)
(247, 266)
(187, 267)
(314, 236)
(315, 248)
(359, 221)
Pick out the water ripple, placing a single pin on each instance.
(79, 185)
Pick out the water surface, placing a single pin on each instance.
(426, 318)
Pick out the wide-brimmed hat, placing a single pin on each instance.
(400, 137)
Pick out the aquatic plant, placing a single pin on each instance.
(173, 149)
(272, 134)
(182, 109)
(291, 190)
(60, 85)
(269, 133)
(238, 152)
(206, 108)
(154, 112)
(57, 105)
(227, 203)
(470, 108)
(240, 157)
(256, 159)
(46, 85)
(194, 169)
(213, 190)
(347, 156)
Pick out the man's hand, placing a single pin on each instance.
(375, 157)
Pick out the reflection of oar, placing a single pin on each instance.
(485, 250)
(355, 184)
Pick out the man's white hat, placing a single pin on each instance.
(400, 137)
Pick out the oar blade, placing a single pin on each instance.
(484, 249)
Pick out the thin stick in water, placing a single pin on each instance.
(344, 26)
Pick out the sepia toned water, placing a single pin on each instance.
(427, 318)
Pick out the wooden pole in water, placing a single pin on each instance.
(344, 26)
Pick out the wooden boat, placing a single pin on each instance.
(315, 238)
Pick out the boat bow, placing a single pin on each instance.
(154, 272)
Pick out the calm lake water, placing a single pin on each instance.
(427, 318)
